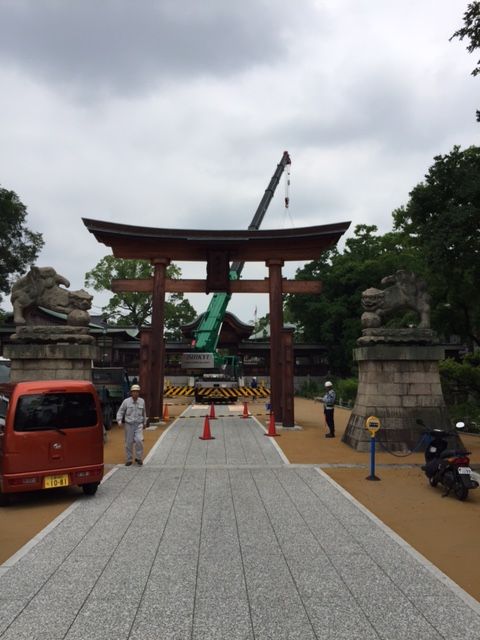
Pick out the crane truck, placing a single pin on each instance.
(215, 374)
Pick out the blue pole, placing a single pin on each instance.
(372, 475)
(372, 456)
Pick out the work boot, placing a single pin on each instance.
(128, 463)
(138, 461)
(329, 435)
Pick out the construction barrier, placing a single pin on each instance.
(172, 391)
(250, 415)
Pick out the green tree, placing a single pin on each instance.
(135, 309)
(19, 247)
(333, 317)
(471, 31)
(442, 221)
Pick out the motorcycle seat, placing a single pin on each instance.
(452, 453)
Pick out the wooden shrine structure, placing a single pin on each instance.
(218, 249)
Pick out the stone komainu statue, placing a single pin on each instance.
(40, 288)
(404, 291)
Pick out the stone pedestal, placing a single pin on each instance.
(398, 384)
(50, 361)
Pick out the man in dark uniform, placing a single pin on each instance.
(328, 408)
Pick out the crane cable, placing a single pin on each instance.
(287, 185)
(287, 193)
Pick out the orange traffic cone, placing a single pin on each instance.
(245, 410)
(212, 412)
(271, 427)
(206, 430)
(165, 413)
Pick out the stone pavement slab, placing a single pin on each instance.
(221, 539)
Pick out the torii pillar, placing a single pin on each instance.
(276, 326)
(157, 351)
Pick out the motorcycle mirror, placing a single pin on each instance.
(460, 425)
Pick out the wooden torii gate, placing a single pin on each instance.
(218, 249)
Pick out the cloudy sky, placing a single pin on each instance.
(175, 113)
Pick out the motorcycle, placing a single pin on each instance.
(447, 467)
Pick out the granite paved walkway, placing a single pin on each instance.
(222, 539)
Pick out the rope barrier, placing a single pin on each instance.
(403, 455)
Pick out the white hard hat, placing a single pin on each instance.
(328, 384)
(135, 387)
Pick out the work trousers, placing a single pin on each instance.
(329, 419)
(133, 434)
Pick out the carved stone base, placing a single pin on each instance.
(397, 384)
(391, 335)
(50, 361)
(51, 334)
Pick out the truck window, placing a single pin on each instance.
(3, 411)
(3, 406)
(41, 412)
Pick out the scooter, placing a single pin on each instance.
(447, 467)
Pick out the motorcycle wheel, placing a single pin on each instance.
(460, 490)
(433, 481)
(448, 480)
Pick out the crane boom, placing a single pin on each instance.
(237, 267)
(208, 332)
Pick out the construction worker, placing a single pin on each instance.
(132, 415)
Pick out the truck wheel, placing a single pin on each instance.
(107, 418)
(90, 489)
(4, 499)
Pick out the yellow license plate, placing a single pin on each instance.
(51, 482)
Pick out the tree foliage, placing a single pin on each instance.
(19, 247)
(442, 220)
(135, 309)
(471, 31)
(333, 317)
(436, 235)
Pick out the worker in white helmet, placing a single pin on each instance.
(132, 415)
(328, 408)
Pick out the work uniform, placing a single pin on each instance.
(132, 414)
(328, 408)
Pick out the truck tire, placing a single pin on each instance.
(90, 489)
(107, 417)
(4, 499)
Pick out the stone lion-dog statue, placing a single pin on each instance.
(404, 291)
(40, 287)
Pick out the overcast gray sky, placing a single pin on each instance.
(175, 113)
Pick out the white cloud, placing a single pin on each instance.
(175, 115)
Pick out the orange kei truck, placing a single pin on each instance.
(51, 435)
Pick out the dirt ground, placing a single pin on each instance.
(444, 530)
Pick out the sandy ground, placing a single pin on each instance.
(444, 530)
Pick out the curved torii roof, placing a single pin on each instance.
(129, 241)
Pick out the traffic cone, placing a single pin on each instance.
(212, 412)
(271, 427)
(165, 413)
(206, 430)
(245, 410)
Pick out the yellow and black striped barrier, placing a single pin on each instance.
(212, 393)
(250, 415)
